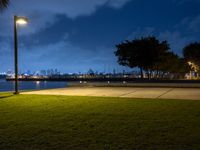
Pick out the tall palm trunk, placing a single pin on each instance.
(141, 73)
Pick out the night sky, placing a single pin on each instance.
(76, 35)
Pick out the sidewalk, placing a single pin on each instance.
(130, 92)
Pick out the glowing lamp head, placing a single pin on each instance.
(21, 20)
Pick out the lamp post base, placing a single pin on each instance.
(16, 93)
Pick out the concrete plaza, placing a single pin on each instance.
(130, 92)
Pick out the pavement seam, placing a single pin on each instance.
(127, 93)
(165, 93)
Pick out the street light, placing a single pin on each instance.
(17, 21)
(194, 67)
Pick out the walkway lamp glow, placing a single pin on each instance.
(17, 21)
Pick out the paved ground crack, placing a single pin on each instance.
(165, 93)
(127, 93)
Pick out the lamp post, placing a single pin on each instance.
(17, 21)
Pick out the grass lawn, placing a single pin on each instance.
(90, 123)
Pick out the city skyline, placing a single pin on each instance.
(74, 38)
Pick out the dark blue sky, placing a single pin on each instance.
(76, 35)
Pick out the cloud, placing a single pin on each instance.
(44, 13)
(176, 40)
(189, 25)
(117, 3)
(139, 32)
(194, 24)
(180, 2)
(6, 55)
(181, 34)
(61, 55)
(71, 8)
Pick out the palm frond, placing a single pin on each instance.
(4, 4)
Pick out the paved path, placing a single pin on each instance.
(161, 93)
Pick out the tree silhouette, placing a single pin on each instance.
(4, 4)
(174, 65)
(167, 64)
(145, 53)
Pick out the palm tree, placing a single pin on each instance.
(3, 4)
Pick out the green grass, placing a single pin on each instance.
(89, 123)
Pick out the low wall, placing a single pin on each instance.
(132, 84)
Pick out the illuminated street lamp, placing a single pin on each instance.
(194, 67)
(17, 21)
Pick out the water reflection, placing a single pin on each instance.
(30, 85)
(37, 84)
